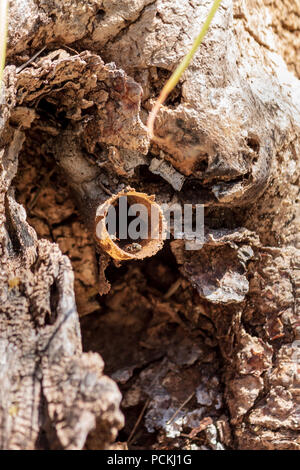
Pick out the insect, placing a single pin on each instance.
(14, 282)
(133, 247)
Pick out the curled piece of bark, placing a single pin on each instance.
(155, 223)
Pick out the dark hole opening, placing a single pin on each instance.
(100, 14)
(127, 228)
(253, 144)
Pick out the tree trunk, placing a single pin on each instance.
(203, 344)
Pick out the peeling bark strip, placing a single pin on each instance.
(212, 360)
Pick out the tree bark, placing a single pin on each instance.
(214, 357)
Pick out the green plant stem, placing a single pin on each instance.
(3, 34)
(175, 77)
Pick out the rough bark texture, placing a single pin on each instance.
(203, 344)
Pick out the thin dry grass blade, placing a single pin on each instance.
(175, 77)
(3, 34)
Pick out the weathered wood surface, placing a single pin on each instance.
(231, 138)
